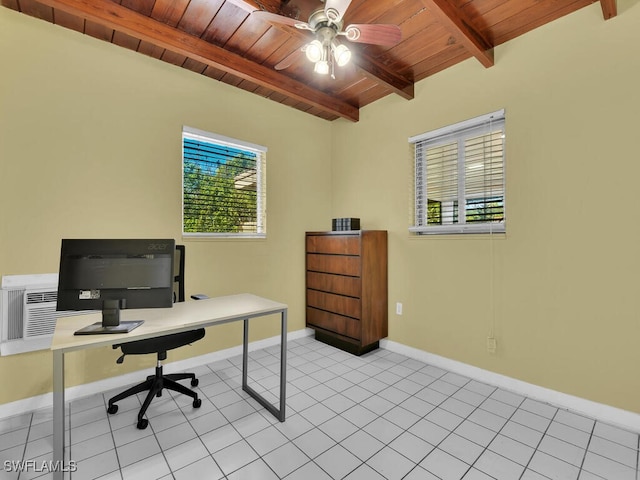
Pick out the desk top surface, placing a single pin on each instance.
(160, 321)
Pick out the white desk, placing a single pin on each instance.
(161, 321)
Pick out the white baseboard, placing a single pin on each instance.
(605, 413)
(73, 393)
(599, 411)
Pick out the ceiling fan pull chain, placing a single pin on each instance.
(333, 66)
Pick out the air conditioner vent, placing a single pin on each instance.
(13, 319)
(41, 320)
(41, 297)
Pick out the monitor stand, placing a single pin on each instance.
(97, 328)
(110, 321)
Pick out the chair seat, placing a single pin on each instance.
(163, 343)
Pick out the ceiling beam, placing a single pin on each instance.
(380, 74)
(122, 19)
(609, 8)
(470, 38)
(253, 5)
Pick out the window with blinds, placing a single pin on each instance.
(223, 186)
(459, 177)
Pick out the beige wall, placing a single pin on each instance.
(90, 147)
(75, 113)
(566, 283)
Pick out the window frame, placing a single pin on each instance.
(261, 197)
(458, 133)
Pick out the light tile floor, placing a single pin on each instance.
(381, 416)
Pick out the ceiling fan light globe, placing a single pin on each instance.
(321, 67)
(314, 51)
(342, 55)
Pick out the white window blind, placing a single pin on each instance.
(459, 177)
(223, 186)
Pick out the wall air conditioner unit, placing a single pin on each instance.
(28, 312)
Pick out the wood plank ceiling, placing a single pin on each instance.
(227, 41)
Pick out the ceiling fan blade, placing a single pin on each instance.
(335, 9)
(375, 34)
(273, 17)
(289, 60)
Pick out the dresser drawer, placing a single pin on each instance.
(347, 306)
(340, 264)
(339, 284)
(339, 244)
(346, 326)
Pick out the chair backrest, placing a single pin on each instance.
(178, 274)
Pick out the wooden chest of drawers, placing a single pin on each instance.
(347, 288)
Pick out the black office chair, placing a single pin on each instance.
(160, 345)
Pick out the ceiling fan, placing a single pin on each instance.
(326, 24)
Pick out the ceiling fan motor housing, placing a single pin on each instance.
(320, 18)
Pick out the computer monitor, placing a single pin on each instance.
(113, 274)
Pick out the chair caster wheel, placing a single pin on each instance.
(142, 424)
(196, 403)
(112, 409)
(195, 382)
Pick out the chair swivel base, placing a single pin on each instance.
(155, 384)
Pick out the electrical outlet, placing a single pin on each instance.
(398, 308)
(492, 345)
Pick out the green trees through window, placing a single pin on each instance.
(478, 210)
(222, 188)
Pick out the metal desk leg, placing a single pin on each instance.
(58, 413)
(278, 413)
(245, 354)
(283, 364)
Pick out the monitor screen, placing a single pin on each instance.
(114, 274)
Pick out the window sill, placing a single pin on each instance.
(464, 229)
(224, 236)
